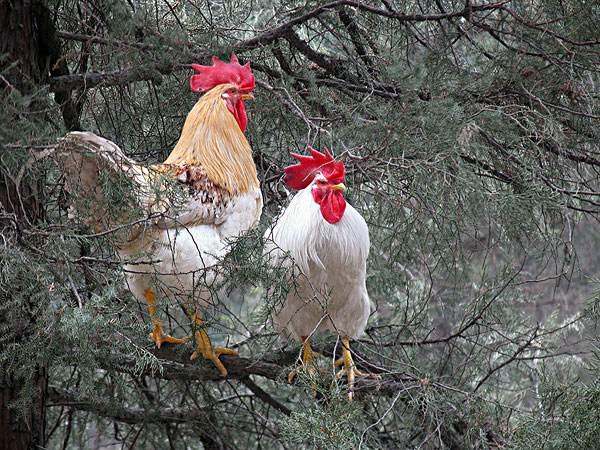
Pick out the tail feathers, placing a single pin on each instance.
(109, 188)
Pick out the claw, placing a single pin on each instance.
(292, 374)
(208, 352)
(159, 338)
(306, 364)
(157, 335)
(308, 368)
(350, 369)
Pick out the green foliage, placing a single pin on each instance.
(471, 148)
(567, 419)
(332, 424)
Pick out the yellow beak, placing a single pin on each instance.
(246, 97)
(338, 187)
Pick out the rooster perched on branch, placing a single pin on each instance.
(170, 249)
(328, 240)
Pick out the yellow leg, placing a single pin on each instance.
(206, 350)
(157, 333)
(349, 368)
(306, 361)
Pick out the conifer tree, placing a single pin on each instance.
(469, 132)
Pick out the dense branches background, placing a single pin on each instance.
(470, 135)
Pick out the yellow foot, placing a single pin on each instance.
(357, 373)
(306, 361)
(205, 349)
(157, 335)
(349, 369)
(159, 338)
(212, 354)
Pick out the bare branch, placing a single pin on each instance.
(114, 411)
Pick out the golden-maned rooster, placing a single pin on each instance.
(328, 240)
(169, 250)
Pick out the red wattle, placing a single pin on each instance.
(240, 115)
(333, 206)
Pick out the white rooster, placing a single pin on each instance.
(328, 241)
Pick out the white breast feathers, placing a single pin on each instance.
(331, 291)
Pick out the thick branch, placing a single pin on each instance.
(152, 71)
(57, 65)
(61, 397)
(355, 35)
(265, 396)
(176, 365)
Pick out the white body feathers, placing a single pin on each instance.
(185, 255)
(171, 251)
(330, 293)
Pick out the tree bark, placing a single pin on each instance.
(22, 68)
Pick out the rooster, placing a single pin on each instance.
(170, 249)
(328, 240)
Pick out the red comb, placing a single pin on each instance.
(222, 73)
(301, 175)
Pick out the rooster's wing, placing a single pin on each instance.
(111, 190)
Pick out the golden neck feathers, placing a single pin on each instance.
(212, 138)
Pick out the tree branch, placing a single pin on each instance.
(62, 397)
(175, 365)
(265, 397)
(355, 36)
(154, 71)
(56, 65)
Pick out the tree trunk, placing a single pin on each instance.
(18, 41)
(22, 68)
(16, 432)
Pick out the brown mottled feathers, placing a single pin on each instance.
(207, 200)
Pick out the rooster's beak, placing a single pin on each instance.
(338, 187)
(246, 97)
